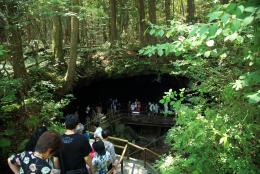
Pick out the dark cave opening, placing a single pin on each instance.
(145, 88)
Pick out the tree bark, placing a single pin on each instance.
(182, 8)
(57, 39)
(67, 31)
(152, 11)
(167, 10)
(141, 12)
(173, 8)
(2, 30)
(113, 36)
(152, 17)
(16, 50)
(190, 10)
(71, 71)
(224, 1)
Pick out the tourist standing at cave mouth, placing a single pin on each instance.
(98, 130)
(138, 106)
(74, 156)
(35, 162)
(110, 148)
(101, 159)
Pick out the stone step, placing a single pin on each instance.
(135, 166)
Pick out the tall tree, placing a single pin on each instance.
(167, 10)
(67, 29)
(152, 11)
(57, 38)
(113, 28)
(190, 10)
(13, 15)
(123, 19)
(152, 16)
(71, 71)
(173, 8)
(141, 12)
(182, 8)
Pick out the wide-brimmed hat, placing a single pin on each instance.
(99, 147)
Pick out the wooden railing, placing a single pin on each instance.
(125, 152)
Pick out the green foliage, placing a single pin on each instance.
(216, 131)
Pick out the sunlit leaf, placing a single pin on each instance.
(248, 20)
(254, 98)
(210, 43)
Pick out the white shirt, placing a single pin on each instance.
(98, 132)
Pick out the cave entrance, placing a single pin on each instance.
(145, 88)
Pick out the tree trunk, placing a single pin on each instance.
(167, 10)
(224, 1)
(16, 50)
(67, 31)
(152, 11)
(71, 71)
(57, 39)
(2, 30)
(124, 16)
(182, 8)
(173, 8)
(152, 17)
(112, 5)
(141, 12)
(190, 10)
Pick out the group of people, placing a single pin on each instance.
(135, 107)
(70, 153)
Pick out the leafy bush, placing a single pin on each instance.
(217, 131)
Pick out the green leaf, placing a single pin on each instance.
(250, 9)
(160, 52)
(152, 31)
(231, 37)
(161, 33)
(254, 98)
(225, 18)
(223, 140)
(215, 15)
(248, 20)
(207, 54)
(235, 25)
(241, 8)
(203, 29)
(212, 30)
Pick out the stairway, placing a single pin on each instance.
(135, 166)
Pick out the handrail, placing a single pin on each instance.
(120, 161)
(148, 145)
(127, 143)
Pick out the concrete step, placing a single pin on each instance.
(135, 166)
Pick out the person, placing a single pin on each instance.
(101, 159)
(98, 130)
(29, 162)
(31, 143)
(74, 156)
(110, 148)
(80, 130)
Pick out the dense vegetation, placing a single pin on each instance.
(47, 45)
(216, 132)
